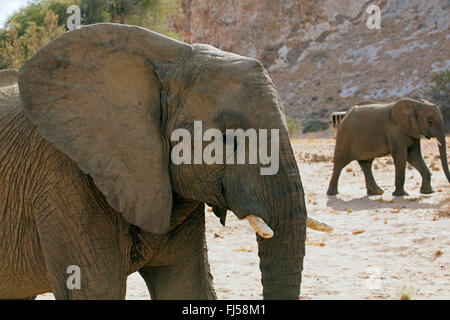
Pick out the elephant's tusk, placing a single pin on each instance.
(318, 225)
(261, 228)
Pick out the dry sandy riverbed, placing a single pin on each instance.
(381, 248)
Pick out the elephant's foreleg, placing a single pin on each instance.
(337, 168)
(27, 298)
(400, 157)
(416, 160)
(85, 246)
(372, 188)
(181, 269)
(82, 263)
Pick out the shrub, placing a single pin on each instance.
(439, 93)
(15, 49)
(293, 125)
(32, 27)
(315, 125)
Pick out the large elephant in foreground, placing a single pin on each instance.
(371, 130)
(87, 181)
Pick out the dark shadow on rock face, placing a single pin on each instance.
(371, 203)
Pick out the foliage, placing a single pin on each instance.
(152, 14)
(293, 125)
(16, 49)
(3, 63)
(36, 12)
(315, 125)
(40, 21)
(439, 93)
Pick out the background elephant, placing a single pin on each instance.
(8, 77)
(9, 90)
(87, 180)
(371, 130)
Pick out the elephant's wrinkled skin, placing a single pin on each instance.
(371, 130)
(85, 169)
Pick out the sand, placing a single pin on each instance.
(381, 248)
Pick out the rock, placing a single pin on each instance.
(304, 42)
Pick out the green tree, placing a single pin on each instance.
(95, 11)
(156, 15)
(15, 49)
(35, 25)
(293, 125)
(36, 11)
(439, 93)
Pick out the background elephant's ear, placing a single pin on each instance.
(404, 114)
(95, 95)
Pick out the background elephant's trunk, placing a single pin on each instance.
(281, 257)
(443, 155)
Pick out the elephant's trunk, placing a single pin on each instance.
(281, 260)
(281, 257)
(443, 155)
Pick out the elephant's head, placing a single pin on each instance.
(113, 97)
(422, 118)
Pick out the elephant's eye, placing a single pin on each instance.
(430, 123)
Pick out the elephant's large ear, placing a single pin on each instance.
(95, 94)
(404, 114)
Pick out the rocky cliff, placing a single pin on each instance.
(321, 54)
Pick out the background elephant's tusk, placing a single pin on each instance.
(318, 225)
(261, 228)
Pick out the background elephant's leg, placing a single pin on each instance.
(188, 275)
(400, 157)
(372, 188)
(416, 160)
(337, 168)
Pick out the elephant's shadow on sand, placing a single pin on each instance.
(371, 203)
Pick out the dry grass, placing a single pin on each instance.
(434, 166)
(444, 211)
(358, 231)
(405, 296)
(314, 157)
(320, 243)
(386, 201)
(397, 209)
(405, 293)
(438, 253)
